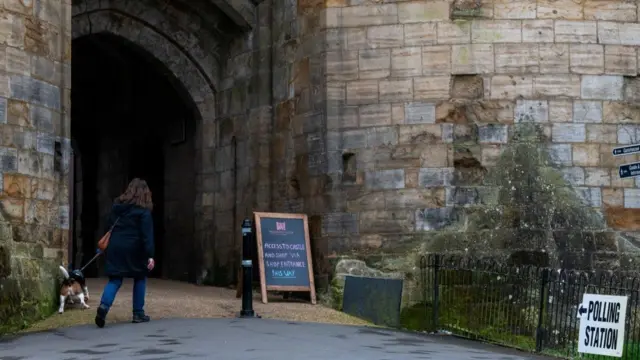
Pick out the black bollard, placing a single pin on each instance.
(247, 269)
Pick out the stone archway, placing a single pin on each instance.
(194, 72)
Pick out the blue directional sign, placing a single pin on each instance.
(629, 170)
(626, 150)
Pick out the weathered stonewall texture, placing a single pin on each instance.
(423, 96)
(35, 48)
(377, 119)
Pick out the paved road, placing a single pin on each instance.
(242, 339)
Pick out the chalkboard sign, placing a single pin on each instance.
(284, 255)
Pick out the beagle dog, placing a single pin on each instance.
(73, 288)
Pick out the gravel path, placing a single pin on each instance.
(170, 299)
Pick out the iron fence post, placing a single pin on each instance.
(544, 281)
(436, 291)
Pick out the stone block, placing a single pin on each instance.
(384, 136)
(437, 156)
(335, 39)
(357, 38)
(517, 58)
(560, 110)
(632, 89)
(45, 143)
(420, 12)
(493, 134)
(419, 113)
(610, 10)
(613, 197)
(586, 58)
(603, 87)
(340, 117)
(8, 160)
(554, 58)
(369, 15)
(454, 32)
(467, 87)
(496, 31)
(362, 92)
(420, 134)
(420, 34)
(436, 60)
(374, 63)
(384, 179)
(354, 139)
(431, 87)
(587, 111)
(381, 222)
(339, 223)
(511, 87)
(342, 65)
(396, 90)
(628, 134)
(434, 177)
(560, 153)
(632, 198)
(584, 32)
(34, 91)
(434, 219)
(490, 111)
(531, 111)
(604, 134)
(614, 33)
(387, 36)
(3, 110)
(537, 31)
(586, 155)
(472, 59)
(397, 113)
(569, 133)
(516, 9)
(559, 9)
(597, 177)
(406, 62)
(556, 85)
(592, 196)
(620, 60)
(573, 175)
(375, 115)
(414, 198)
(620, 112)
(13, 209)
(17, 61)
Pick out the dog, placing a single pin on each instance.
(73, 288)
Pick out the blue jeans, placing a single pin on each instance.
(112, 287)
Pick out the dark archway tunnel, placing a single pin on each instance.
(129, 120)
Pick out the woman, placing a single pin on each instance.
(130, 250)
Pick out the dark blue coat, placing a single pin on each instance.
(131, 244)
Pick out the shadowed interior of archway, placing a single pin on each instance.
(128, 120)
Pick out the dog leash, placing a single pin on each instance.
(98, 253)
(92, 260)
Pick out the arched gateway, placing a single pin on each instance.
(169, 43)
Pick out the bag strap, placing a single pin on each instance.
(114, 224)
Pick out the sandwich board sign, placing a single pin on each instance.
(602, 322)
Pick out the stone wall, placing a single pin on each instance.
(426, 95)
(34, 155)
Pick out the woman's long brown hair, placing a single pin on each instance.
(137, 193)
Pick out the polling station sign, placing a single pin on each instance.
(602, 320)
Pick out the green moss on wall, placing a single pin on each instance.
(23, 302)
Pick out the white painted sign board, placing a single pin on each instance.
(602, 320)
